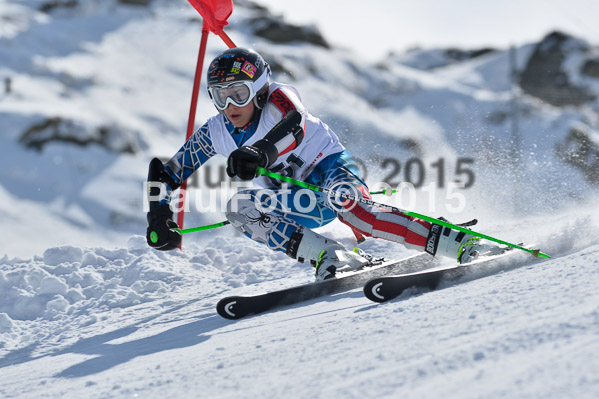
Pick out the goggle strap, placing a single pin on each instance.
(262, 80)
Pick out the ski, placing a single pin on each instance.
(236, 307)
(385, 288)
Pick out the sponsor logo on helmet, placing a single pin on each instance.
(213, 65)
(215, 74)
(249, 69)
(236, 67)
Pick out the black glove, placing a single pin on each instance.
(244, 161)
(160, 233)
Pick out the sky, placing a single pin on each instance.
(374, 29)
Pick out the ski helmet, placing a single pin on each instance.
(238, 76)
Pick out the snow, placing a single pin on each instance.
(132, 321)
(87, 309)
(489, 337)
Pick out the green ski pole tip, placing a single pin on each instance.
(154, 237)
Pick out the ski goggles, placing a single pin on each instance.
(236, 93)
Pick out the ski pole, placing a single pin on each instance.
(154, 235)
(201, 228)
(261, 171)
(388, 193)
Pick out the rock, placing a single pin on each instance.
(50, 6)
(135, 2)
(57, 129)
(281, 32)
(545, 77)
(581, 150)
(591, 68)
(275, 29)
(429, 59)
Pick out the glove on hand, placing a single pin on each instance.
(244, 161)
(160, 233)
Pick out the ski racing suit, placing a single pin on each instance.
(315, 156)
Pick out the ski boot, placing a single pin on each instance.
(463, 247)
(325, 255)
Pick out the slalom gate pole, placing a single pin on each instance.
(192, 110)
(337, 194)
(226, 39)
(192, 113)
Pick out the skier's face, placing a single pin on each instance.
(240, 116)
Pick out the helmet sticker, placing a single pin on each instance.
(249, 69)
(218, 73)
(236, 67)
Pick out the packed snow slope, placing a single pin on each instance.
(92, 90)
(133, 322)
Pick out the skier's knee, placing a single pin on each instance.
(240, 203)
(358, 217)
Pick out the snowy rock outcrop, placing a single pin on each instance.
(546, 75)
(59, 130)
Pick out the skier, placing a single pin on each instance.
(264, 124)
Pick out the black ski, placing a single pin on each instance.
(385, 288)
(236, 307)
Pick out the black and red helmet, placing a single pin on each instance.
(238, 76)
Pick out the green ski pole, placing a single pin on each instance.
(261, 171)
(154, 235)
(388, 193)
(202, 228)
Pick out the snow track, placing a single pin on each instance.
(521, 332)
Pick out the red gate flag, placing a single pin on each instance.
(214, 13)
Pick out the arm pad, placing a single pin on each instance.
(283, 137)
